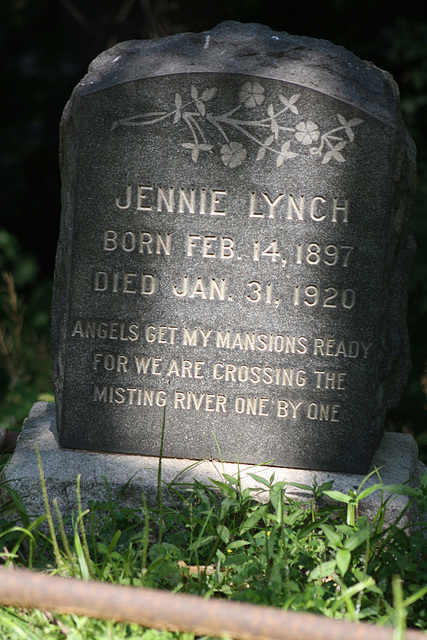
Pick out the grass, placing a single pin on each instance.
(219, 542)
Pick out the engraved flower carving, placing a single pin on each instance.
(233, 154)
(307, 132)
(272, 129)
(251, 94)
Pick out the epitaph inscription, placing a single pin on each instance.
(230, 251)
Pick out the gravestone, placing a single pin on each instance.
(232, 263)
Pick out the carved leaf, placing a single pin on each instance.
(208, 94)
(141, 119)
(260, 154)
(178, 101)
(338, 157)
(269, 141)
(292, 101)
(270, 111)
(285, 151)
(201, 107)
(194, 92)
(347, 125)
(177, 117)
(347, 128)
(340, 145)
(280, 159)
(195, 151)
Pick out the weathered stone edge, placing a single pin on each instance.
(396, 461)
(255, 49)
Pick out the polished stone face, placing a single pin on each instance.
(230, 265)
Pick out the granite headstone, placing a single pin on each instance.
(233, 252)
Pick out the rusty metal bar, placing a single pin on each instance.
(178, 612)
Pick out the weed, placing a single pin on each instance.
(218, 541)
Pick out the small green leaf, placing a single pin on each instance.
(298, 485)
(401, 490)
(220, 555)
(339, 496)
(367, 492)
(356, 539)
(231, 479)
(343, 559)
(201, 542)
(223, 532)
(323, 570)
(334, 538)
(84, 569)
(238, 543)
(225, 488)
(260, 479)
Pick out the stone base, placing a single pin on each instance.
(396, 460)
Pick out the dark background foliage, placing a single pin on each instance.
(46, 46)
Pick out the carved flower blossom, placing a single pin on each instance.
(251, 94)
(307, 132)
(233, 154)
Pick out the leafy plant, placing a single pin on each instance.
(217, 541)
